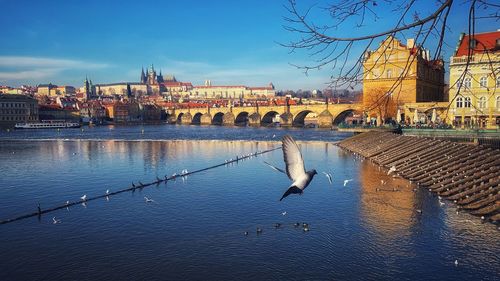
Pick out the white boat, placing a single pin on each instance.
(49, 124)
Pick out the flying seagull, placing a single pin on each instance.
(275, 168)
(346, 181)
(148, 200)
(329, 176)
(84, 197)
(55, 221)
(295, 167)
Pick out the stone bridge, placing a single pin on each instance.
(287, 115)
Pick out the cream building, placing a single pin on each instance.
(475, 89)
(52, 90)
(209, 91)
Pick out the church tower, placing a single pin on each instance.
(143, 76)
(160, 78)
(151, 76)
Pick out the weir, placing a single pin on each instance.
(134, 187)
(467, 175)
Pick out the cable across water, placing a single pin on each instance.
(134, 187)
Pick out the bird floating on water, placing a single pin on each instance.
(295, 167)
(107, 191)
(284, 213)
(347, 181)
(329, 177)
(456, 262)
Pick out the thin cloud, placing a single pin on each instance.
(37, 69)
(29, 74)
(40, 62)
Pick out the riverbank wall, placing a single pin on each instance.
(467, 175)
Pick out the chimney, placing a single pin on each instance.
(410, 43)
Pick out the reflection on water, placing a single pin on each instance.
(194, 229)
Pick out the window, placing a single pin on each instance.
(459, 102)
(389, 73)
(483, 82)
(482, 102)
(467, 83)
(467, 102)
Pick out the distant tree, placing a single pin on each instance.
(385, 107)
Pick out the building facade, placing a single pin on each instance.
(475, 81)
(17, 109)
(395, 74)
(52, 90)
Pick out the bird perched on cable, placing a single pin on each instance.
(295, 169)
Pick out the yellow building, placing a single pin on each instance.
(475, 88)
(52, 90)
(395, 74)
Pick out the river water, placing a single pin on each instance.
(195, 228)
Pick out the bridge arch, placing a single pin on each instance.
(300, 118)
(197, 119)
(342, 116)
(267, 119)
(241, 119)
(179, 118)
(218, 118)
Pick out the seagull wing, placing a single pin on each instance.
(293, 159)
(275, 168)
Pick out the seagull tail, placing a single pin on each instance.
(292, 190)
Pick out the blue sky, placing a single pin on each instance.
(228, 42)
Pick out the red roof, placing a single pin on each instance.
(484, 42)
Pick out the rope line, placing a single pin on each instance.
(133, 188)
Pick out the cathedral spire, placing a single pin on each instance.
(143, 76)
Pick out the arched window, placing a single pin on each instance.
(459, 102)
(467, 102)
(389, 73)
(483, 82)
(482, 102)
(467, 83)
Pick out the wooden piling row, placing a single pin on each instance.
(467, 175)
